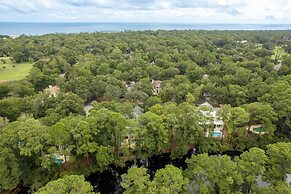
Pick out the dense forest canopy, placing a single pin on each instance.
(92, 100)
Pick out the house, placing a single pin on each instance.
(52, 90)
(206, 95)
(62, 75)
(13, 36)
(277, 67)
(129, 85)
(287, 39)
(211, 113)
(205, 76)
(137, 111)
(242, 41)
(129, 139)
(88, 106)
(129, 142)
(156, 86)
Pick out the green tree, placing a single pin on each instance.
(261, 114)
(181, 122)
(169, 180)
(39, 80)
(136, 96)
(107, 86)
(231, 94)
(176, 89)
(64, 105)
(110, 126)
(4, 90)
(235, 119)
(288, 49)
(81, 82)
(104, 156)
(61, 138)
(279, 162)
(153, 136)
(213, 174)
(82, 140)
(20, 88)
(256, 88)
(279, 97)
(136, 181)
(19, 57)
(125, 108)
(279, 188)
(10, 169)
(153, 100)
(73, 184)
(194, 72)
(23, 157)
(12, 107)
(251, 165)
(144, 85)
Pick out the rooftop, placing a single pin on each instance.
(52, 90)
(277, 67)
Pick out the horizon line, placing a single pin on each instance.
(157, 22)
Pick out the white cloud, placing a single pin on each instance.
(192, 11)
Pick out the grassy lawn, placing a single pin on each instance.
(279, 51)
(11, 73)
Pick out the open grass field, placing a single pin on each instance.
(279, 52)
(10, 73)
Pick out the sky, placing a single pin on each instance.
(166, 11)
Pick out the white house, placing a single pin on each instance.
(212, 114)
(242, 41)
(205, 76)
(129, 85)
(277, 67)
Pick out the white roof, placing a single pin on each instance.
(206, 104)
(277, 67)
(211, 113)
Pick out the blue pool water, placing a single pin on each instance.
(216, 134)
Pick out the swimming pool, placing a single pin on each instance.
(258, 129)
(217, 134)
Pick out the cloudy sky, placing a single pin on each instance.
(184, 11)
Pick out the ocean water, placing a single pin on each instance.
(32, 28)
